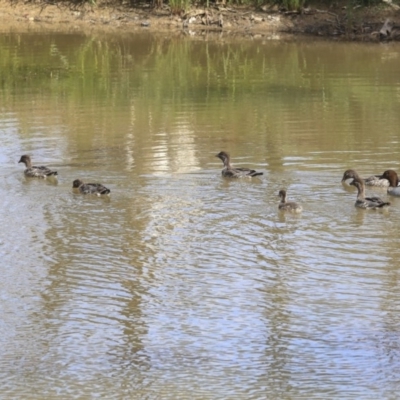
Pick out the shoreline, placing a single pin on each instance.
(235, 22)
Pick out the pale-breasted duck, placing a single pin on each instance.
(391, 176)
(288, 205)
(35, 172)
(374, 180)
(231, 172)
(90, 188)
(366, 202)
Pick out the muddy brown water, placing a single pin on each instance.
(182, 284)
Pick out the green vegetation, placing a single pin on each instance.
(179, 6)
(292, 4)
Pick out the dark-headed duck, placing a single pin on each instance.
(90, 188)
(290, 206)
(231, 172)
(391, 176)
(366, 202)
(374, 180)
(35, 172)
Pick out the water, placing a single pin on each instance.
(182, 284)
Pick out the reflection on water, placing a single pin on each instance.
(183, 284)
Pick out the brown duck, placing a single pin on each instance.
(90, 188)
(35, 172)
(230, 172)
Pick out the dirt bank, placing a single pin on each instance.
(341, 23)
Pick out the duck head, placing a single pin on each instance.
(392, 177)
(357, 183)
(282, 194)
(26, 160)
(76, 183)
(349, 174)
(224, 156)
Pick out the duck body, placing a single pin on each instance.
(374, 180)
(377, 181)
(392, 177)
(32, 171)
(90, 188)
(230, 172)
(289, 206)
(371, 203)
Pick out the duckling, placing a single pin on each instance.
(394, 188)
(366, 202)
(90, 188)
(35, 172)
(230, 172)
(374, 180)
(290, 206)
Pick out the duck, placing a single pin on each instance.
(36, 172)
(290, 206)
(90, 188)
(231, 172)
(391, 176)
(371, 203)
(374, 180)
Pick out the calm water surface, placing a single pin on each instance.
(183, 285)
